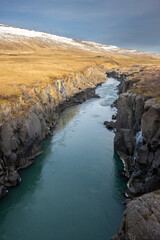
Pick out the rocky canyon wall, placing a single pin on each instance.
(137, 141)
(25, 124)
(137, 137)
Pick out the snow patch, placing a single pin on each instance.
(13, 34)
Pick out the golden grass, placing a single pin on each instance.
(41, 67)
(149, 82)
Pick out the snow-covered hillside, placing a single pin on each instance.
(17, 35)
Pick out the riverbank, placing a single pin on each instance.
(138, 144)
(22, 131)
(74, 189)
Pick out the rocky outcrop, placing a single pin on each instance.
(25, 124)
(124, 76)
(137, 138)
(137, 141)
(141, 219)
(110, 124)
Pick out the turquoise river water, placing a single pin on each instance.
(73, 191)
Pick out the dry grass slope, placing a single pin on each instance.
(149, 82)
(36, 64)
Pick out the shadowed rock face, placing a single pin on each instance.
(137, 137)
(110, 124)
(21, 134)
(137, 140)
(141, 219)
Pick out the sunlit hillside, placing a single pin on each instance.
(33, 58)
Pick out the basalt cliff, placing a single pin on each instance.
(137, 141)
(21, 132)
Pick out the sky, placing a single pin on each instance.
(133, 24)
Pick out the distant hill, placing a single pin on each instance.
(13, 38)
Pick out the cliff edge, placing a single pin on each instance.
(141, 219)
(137, 141)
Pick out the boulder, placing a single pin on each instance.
(110, 124)
(149, 103)
(141, 219)
(114, 117)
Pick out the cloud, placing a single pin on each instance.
(119, 22)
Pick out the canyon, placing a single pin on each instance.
(43, 74)
(22, 133)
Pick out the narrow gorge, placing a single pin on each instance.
(57, 97)
(74, 187)
(22, 131)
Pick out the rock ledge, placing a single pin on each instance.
(141, 219)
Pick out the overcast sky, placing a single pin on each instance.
(125, 23)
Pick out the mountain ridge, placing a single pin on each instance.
(17, 35)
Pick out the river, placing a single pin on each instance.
(74, 190)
